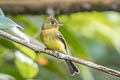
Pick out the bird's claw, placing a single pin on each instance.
(46, 48)
(56, 54)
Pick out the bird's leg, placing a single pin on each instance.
(46, 48)
(56, 54)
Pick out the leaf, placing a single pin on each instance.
(6, 43)
(26, 66)
(32, 29)
(6, 23)
(6, 77)
(26, 51)
(10, 70)
(1, 12)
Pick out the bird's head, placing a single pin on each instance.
(51, 23)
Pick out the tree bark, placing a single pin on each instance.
(60, 6)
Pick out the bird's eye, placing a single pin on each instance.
(52, 22)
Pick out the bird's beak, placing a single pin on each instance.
(59, 24)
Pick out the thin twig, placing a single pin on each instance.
(60, 55)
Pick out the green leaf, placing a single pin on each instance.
(6, 23)
(6, 43)
(6, 77)
(26, 51)
(11, 70)
(26, 66)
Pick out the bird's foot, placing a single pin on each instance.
(46, 48)
(56, 54)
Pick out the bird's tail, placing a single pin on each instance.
(72, 68)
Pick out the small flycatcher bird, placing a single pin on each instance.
(54, 40)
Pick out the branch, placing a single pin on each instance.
(60, 6)
(60, 55)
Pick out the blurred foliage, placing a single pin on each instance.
(91, 36)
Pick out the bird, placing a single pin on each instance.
(54, 40)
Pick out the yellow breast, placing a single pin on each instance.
(50, 39)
